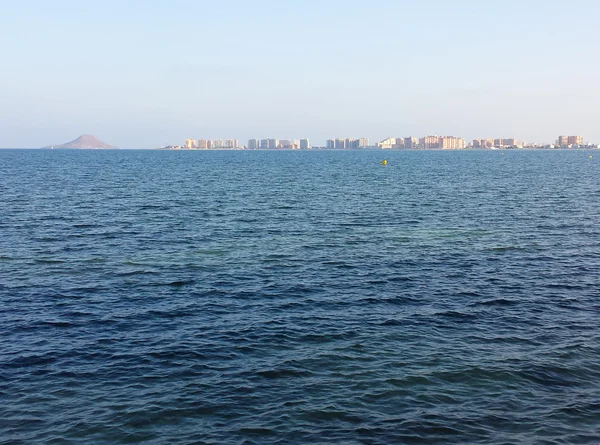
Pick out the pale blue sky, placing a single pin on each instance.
(139, 73)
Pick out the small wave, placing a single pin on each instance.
(137, 272)
(58, 324)
(330, 414)
(178, 283)
(178, 354)
(506, 248)
(339, 265)
(496, 302)
(171, 313)
(49, 261)
(154, 207)
(257, 431)
(283, 373)
(400, 278)
(551, 376)
(24, 361)
(462, 316)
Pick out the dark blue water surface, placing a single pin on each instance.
(299, 297)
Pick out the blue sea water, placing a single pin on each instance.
(299, 297)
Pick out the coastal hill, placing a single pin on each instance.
(83, 141)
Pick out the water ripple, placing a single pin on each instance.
(298, 297)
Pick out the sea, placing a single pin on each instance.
(299, 297)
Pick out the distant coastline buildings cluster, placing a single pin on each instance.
(273, 144)
(206, 144)
(495, 143)
(566, 141)
(427, 142)
(347, 143)
(561, 142)
(456, 143)
(233, 144)
(431, 142)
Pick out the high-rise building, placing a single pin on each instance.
(340, 143)
(253, 144)
(304, 144)
(190, 143)
(284, 143)
(565, 141)
(451, 142)
(575, 140)
(347, 143)
(395, 143)
(272, 143)
(204, 144)
(430, 142)
(510, 142)
(483, 143)
(386, 143)
(410, 142)
(231, 143)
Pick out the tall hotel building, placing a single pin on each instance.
(231, 143)
(410, 142)
(444, 142)
(452, 143)
(430, 142)
(342, 143)
(483, 143)
(565, 141)
(389, 143)
(397, 143)
(204, 144)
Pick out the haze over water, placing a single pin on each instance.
(299, 297)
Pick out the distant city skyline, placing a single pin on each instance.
(142, 73)
(410, 142)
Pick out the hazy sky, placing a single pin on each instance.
(139, 73)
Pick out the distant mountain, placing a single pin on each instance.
(83, 141)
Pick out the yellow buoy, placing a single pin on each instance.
(384, 162)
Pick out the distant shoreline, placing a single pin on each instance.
(311, 149)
